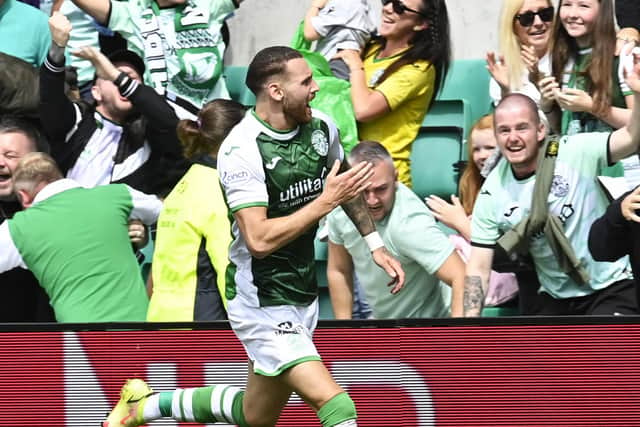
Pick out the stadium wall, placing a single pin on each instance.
(484, 372)
(258, 24)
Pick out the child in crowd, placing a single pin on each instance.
(337, 25)
(457, 215)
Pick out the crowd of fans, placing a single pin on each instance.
(129, 96)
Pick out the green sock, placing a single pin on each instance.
(339, 411)
(218, 403)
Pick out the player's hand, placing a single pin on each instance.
(450, 214)
(576, 100)
(104, 68)
(60, 28)
(392, 266)
(498, 70)
(137, 233)
(630, 206)
(340, 188)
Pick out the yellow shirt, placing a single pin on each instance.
(194, 217)
(408, 92)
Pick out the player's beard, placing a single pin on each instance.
(298, 111)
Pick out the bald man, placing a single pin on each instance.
(574, 197)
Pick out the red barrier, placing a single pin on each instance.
(580, 375)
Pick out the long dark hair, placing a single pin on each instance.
(599, 69)
(432, 44)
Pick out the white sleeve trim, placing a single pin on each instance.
(241, 171)
(10, 258)
(146, 207)
(77, 118)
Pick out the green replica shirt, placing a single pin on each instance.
(75, 242)
(575, 76)
(182, 46)
(282, 171)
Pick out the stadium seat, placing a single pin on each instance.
(500, 311)
(434, 156)
(235, 78)
(468, 79)
(449, 112)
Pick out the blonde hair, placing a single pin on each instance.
(510, 46)
(35, 169)
(471, 180)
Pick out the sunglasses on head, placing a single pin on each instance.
(526, 19)
(400, 8)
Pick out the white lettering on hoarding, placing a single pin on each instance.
(161, 377)
(86, 400)
(391, 373)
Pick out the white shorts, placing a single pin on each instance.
(277, 337)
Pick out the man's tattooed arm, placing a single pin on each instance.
(473, 299)
(356, 210)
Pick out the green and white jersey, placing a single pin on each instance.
(575, 76)
(282, 171)
(575, 197)
(182, 46)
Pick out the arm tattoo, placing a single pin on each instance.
(473, 295)
(356, 210)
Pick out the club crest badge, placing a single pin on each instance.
(375, 77)
(559, 186)
(320, 142)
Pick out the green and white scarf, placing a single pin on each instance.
(197, 51)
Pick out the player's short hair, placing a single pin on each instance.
(369, 151)
(267, 63)
(34, 169)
